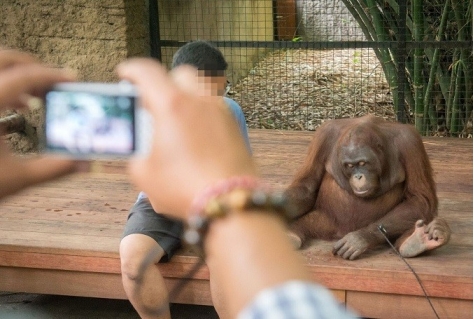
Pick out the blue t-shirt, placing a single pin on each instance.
(240, 117)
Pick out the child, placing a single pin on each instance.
(149, 236)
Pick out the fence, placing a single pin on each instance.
(296, 63)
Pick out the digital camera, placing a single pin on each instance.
(94, 120)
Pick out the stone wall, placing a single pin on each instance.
(326, 20)
(90, 36)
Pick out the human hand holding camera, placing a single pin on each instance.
(196, 142)
(21, 78)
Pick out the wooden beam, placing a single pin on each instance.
(373, 305)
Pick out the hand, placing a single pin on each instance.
(351, 245)
(196, 141)
(21, 77)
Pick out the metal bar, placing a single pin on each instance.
(438, 44)
(154, 25)
(290, 44)
(329, 44)
(401, 59)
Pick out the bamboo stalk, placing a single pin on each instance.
(376, 17)
(386, 55)
(434, 66)
(359, 9)
(390, 14)
(455, 120)
(418, 32)
(466, 63)
(452, 85)
(442, 75)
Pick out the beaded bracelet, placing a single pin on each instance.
(227, 196)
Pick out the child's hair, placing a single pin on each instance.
(203, 56)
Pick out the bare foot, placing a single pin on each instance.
(426, 237)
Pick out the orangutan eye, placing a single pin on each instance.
(361, 163)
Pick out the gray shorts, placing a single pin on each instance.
(164, 230)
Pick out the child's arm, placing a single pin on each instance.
(240, 117)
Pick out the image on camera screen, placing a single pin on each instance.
(89, 123)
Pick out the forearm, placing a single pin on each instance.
(248, 252)
(400, 219)
(301, 195)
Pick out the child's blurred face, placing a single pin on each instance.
(211, 85)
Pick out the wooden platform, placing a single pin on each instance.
(63, 238)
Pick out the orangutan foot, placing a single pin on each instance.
(425, 237)
(295, 240)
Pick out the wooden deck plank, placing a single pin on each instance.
(398, 306)
(67, 232)
(59, 282)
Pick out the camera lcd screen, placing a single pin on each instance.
(89, 123)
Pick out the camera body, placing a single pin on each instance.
(87, 120)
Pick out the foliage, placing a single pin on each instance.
(437, 80)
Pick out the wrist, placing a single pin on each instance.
(235, 196)
(241, 231)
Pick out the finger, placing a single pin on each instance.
(343, 250)
(337, 246)
(419, 223)
(10, 58)
(28, 79)
(430, 228)
(152, 81)
(348, 253)
(27, 101)
(185, 77)
(355, 254)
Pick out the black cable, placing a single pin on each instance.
(384, 233)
